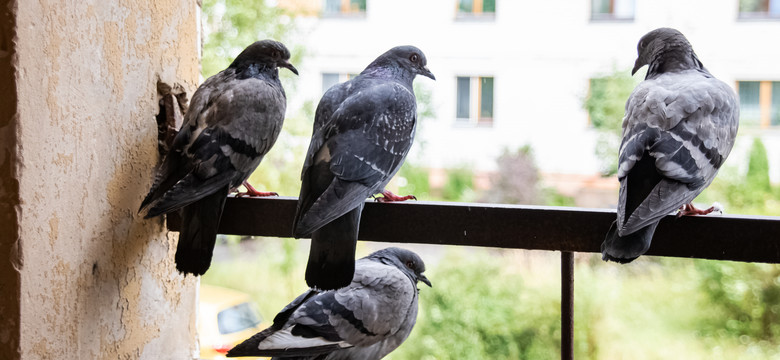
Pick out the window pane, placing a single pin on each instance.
(489, 6)
(332, 7)
(328, 80)
(775, 112)
(752, 6)
(357, 5)
(774, 7)
(600, 7)
(464, 89)
(466, 6)
(237, 318)
(749, 110)
(486, 98)
(624, 9)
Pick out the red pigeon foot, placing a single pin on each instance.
(388, 196)
(252, 192)
(689, 209)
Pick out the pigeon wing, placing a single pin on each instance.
(230, 125)
(364, 145)
(678, 130)
(376, 304)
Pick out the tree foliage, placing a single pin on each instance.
(749, 192)
(605, 104)
(230, 26)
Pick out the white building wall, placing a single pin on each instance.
(541, 54)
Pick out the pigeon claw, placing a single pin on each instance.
(252, 192)
(388, 196)
(689, 209)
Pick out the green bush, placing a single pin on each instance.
(479, 309)
(745, 300)
(749, 193)
(459, 185)
(416, 181)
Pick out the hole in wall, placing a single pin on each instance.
(172, 101)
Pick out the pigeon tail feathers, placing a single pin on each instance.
(198, 235)
(272, 342)
(624, 249)
(332, 255)
(187, 191)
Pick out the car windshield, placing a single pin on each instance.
(237, 318)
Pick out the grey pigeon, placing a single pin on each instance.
(679, 127)
(363, 129)
(363, 321)
(233, 120)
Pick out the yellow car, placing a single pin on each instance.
(225, 318)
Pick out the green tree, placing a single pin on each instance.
(758, 168)
(748, 193)
(605, 104)
(230, 26)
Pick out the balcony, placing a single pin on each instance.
(568, 230)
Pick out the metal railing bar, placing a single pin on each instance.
(726, 237)
(567, 305)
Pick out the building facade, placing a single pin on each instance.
(514, 73)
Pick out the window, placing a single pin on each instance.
(759, 103)
(612, 10)
(330, 79)
(240, 317)
(472, 9)
(344, 7)
(474, 100)
(759, 9)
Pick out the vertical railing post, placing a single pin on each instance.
(567, 305)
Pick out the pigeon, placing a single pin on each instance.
(363, 321)
(679, 127)
(234, 118)
(363, 129)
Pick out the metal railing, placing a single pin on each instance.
(569, 230)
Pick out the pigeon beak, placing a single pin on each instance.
(427, 73)
(286, 64)
(637, 65)
(422, 277)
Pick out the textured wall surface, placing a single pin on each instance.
(96, 280)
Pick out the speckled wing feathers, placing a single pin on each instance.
(230, 125)
(366, 139)
(380, 304)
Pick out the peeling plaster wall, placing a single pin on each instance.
(97, 281)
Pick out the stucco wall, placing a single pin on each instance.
(96, 280)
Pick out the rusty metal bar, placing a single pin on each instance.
(728, 237)
(567, 305)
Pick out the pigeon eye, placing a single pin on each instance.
(410, 264)
(275, 54)
(414, 58)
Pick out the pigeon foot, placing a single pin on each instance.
(252, 192)
(388, 196)
(689, 210)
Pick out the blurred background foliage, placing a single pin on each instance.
(505, 304)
